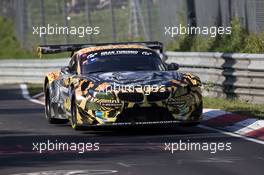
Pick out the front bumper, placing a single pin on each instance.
(133, 109)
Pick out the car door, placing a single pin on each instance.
(67, 73)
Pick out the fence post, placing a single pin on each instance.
(113, 21)
(65, 12)
(149, 3)
(24, 23)
(43, 20)
(141, 19)
(88, 18)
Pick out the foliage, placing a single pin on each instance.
(10, 47)
(238, 41)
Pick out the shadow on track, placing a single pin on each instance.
(143, 130)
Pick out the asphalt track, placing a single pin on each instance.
(134, 150)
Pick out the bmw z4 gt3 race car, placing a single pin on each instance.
(120, 83)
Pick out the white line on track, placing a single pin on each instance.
(26, 95)
(123, 164)
(38, 95)
(71, 172)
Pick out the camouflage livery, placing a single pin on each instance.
(93, 99)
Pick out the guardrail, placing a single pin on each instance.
(223, 75)
(29, 71)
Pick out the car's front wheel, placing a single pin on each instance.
(73, 118)
(49, 116)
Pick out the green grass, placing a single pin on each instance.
(34, 89)
(235, 106)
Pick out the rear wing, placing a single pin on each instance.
(52, 49)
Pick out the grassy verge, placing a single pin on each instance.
(35, 89)
(235, 106)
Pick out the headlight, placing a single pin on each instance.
(101, 95)
(104, 95)
(180, 91)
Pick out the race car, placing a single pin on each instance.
(120, 84)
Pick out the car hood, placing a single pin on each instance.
(137, 78)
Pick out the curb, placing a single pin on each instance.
(238, 124)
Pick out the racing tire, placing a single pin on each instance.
(197, 112)
(48, 107)
(73, 118)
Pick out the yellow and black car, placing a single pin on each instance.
(120, 84)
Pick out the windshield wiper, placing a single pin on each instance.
(98, 71)
(141, 68)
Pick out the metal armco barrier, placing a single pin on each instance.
(28, 71)
(223, 75)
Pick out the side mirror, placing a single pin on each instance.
(164, 57)
(65, 70)
(173, 66)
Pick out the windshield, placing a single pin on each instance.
(121, 60)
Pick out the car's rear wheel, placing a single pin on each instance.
(51, 119)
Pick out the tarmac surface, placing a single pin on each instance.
(150, 150)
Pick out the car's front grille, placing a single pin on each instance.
(131, 97)
(145, 114)
(158, 96)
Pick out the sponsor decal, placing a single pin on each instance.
(119, 52)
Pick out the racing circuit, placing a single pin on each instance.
(216, 45)
(130, 150)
